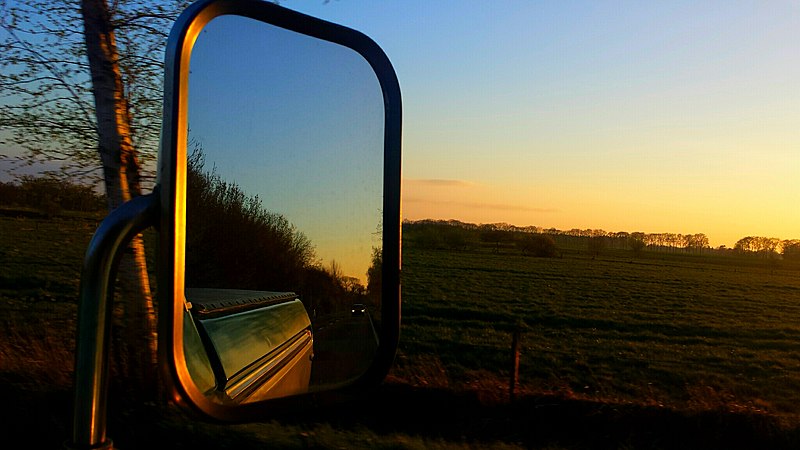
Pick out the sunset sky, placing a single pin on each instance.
(676, 117)
(679, 116)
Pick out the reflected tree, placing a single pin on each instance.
(233, 242)
(375, 280)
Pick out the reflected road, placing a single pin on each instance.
(343, 348)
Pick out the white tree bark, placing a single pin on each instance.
(134, 336)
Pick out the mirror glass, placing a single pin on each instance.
(283, 212)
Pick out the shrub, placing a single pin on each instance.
(540, 245)
(51, 195)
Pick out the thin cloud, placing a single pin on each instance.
(439, 182)
(482, 206)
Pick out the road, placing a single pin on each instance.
(343, 349)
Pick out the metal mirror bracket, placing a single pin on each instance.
(95, 314)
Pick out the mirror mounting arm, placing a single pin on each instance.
(95, 313)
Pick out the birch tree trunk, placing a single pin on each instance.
(134, 336)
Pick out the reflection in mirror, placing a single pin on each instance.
(283, 212)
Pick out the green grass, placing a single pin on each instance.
(683, 331)
(629, 352)
(39, 256)
(40, 260)
(40, 264)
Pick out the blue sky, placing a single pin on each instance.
(679, 116)
(297, 122)
(626, 116)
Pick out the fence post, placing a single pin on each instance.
(512, 387)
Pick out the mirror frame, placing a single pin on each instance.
(172, 180)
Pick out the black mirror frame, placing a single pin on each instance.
(172, 182)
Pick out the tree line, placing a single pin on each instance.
(768, 247)
(233, 242)
(50, 196)
(455, 234)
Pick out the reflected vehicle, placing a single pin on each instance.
(246, 346)
(358, 309)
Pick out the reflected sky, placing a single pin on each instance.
(298, 122)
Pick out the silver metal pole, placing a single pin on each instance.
(94, 318)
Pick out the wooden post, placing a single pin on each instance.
(512, 387)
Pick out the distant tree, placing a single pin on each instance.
(335, 270)
(493, 237)
(772, 246)
(455, 237)
(51, 193)
(540, 245)
(636, 242)
(745, 245)
(758, 245)
(452, 235)
(352, 286)
(319, 292)
(9, 194)
(596, 245)
(791, 249)
(374, 273)
(620, 239)
(340, 290)
(696, 242)
(423, 236)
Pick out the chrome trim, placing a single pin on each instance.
(258, 374)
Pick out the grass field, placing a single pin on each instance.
(636, 352)
(39, 281)
(681, 330)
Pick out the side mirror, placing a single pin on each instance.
(279, 179)
(278, 208)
